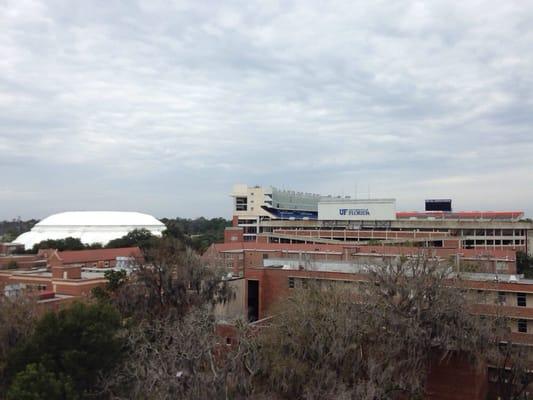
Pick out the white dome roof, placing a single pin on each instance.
(99, 218)
(90, 227)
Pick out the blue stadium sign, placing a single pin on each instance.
(354, 211)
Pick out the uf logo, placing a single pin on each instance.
(343, 211)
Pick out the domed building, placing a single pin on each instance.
(90, 227)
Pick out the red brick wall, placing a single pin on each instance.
(77, 289)
(233, 235)
(29, 281)
(274, 286)
(73, 272)
(456, 378)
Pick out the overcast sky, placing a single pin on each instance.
(161, 106)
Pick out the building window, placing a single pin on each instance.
(265, 256)
(521, 299)
(501, 266)
(522, 325)
(501, 297)
(291, 283)
(241, 203)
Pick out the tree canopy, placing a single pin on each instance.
(374, 341)
(78, 342)
(197, 233)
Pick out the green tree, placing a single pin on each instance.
(37, 383)
(524, 264)
(115, 279)
(69, 243)
(142, 238)
(197, 233)
(80, 342)
(18, 315)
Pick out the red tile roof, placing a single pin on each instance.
(84, 256)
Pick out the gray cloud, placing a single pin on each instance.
(161, 106)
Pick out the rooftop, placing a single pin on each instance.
(94, 255)
(99, 218)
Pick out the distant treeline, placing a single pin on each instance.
(9, 230)
(197, 233)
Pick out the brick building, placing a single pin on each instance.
(63, 276)
(283, 240)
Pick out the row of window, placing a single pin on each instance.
(492, 232)
(521, 299)
(324, 283)
(522, 325)
(494, 242)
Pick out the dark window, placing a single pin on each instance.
(253, 300)
(291, 283)
(522, 325)
(241, 203)
(228, 340)
(501, 297)
(521, 299)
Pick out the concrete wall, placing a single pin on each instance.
(235, 308)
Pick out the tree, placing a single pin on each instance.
(142, 238)
(9, 230)
(79, 342)
(17, 318)
(115, 279)
(524, 264)
(172, 348)
(172, 280)
(511, 370)
(36, 383)
(171, 358)
(69, 243)
(373, 343)
(197, 233)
